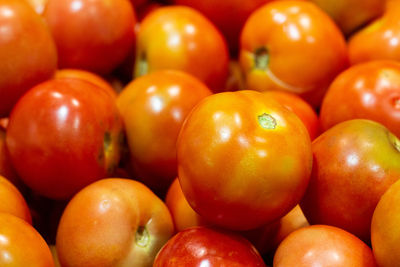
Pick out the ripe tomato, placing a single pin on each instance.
(300, 107)
(292, 46)
(181, 38)
(366, 91)
(21, 244)
(27, 52)
(113, 222)
(201, 246)
(355, 162)
(322, 245)
(153, 108)
(6, 168)
(243, 160)
(94, 35)
(385, 235)
(72, 140)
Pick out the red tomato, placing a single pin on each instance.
(300, 107)
(181, 38)
(27, 52)
(72, 139)
(201, 246)
(12, 201)
(322, 245)
(228, 15)
(6, 168)
(385, 235)
(243, 159)
(94, 35)
(153, 108)
(113, 222)
(21, 244)
(365, 91)
(292, 46)
(355, 162)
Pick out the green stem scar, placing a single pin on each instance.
(394, 141)
(261, 59)
(142, 67)
(142, 237)
(267, 121)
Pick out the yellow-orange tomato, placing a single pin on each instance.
(153, 108)
(28, 54)
(181, 38)
(243, 160)
(385, 234)
(113, 222)
(380, 39)
(322, 245)
(292, 46)
(21, 244)
(12, 201)
(86, 76)
(38, 5)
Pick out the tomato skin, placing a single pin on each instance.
(50, 156)
(355, 162)
(199, 246)
(27, 52)
(369, 90)
(300, 107)
(6, 168)
(153, 108)
(277, 42)
(104, 46)
(181, 38)
(223, 140)
(323, 245)
(384, 228)
(113, 222)
(21, 244)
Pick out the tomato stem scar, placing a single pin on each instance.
(261, 59)
(142, 237)
(267, 121)
(143, 66)
(394, 141)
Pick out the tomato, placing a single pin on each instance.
(72, 140)
(366, 91)
(12, 201)
(322, 245)
(355, 162)
(300, 107)
(181, 38)
(222, 12)
(113, 222)
(27, 52)
(243, 159)
(86, 76)
(153, 108)
(38, 5)
(292, 46)
(384, 228)
(94, 35)
(21, 244)
(201, 246)
(350, 15)
(379, 40)
(6, 168)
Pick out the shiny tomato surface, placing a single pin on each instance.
(27, 52)
(355, 162)
(94, 35)
(322, 245)
(243, 159)
(153, 108)
(181, 38)
(366, 91)
(292, 46)
(72, 139)
(201, 246)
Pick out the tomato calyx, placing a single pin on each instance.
(267, 121)
(142, 237)
(261, 58)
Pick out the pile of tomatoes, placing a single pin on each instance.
(199, 133)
